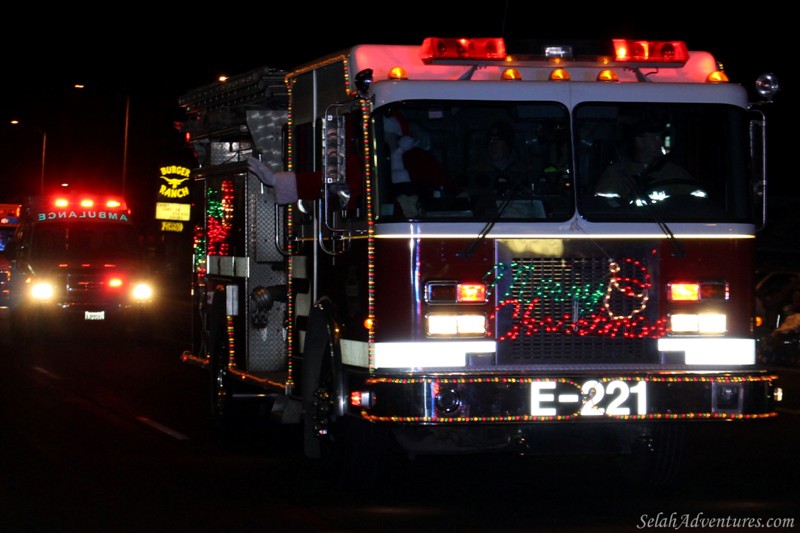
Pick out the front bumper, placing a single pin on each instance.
(457, 399)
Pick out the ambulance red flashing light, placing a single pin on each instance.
(88, 202)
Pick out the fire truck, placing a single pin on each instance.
(76, 259)
(366, 267)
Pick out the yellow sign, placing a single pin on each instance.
(173, 211)
(176, 182)
(172, 226)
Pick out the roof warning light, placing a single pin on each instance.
(651, 51)
(488, 48)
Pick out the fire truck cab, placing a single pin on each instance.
(424, 287)
(77, 259)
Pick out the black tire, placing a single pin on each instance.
(657, 456)
(357, 449)
(318, 387)
(362, 454)
(223, 409)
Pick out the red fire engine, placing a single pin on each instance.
(451, 248)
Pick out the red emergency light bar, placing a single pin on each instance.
(650, 51)
(493, 49)
(88, 202)
(482, 49)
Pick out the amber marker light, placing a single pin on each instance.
(684, 292)
(607, 75)
(717, 77)
(398, 73)
(471, 293)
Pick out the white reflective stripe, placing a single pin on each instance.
(299, 266)
(576, 228)
(355, 353)
(231, 300)
(428, 354)
(716, 351)
(228, 265)
(302, 304)
(241, 267)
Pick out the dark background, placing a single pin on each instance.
(153, 56)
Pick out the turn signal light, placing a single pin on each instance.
(693, 292)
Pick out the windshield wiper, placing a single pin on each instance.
(648, 204)
(507, 198)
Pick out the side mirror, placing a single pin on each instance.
(767, 86)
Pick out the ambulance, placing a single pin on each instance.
(77, 260)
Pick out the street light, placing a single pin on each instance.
(16, 122)
(125, 136)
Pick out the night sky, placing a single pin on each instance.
(155, 58)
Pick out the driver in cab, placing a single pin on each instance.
(644, 175)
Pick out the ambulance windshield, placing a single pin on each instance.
(85, 242)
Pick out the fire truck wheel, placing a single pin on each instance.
(222, 388)
(321, 386)
(362, 453)
(221, 402)
(657, 456)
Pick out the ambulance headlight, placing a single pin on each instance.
(142, 292)
(42, 291)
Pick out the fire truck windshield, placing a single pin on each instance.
(679, 162)
(527, 160)
(85, 242)
(482, 160)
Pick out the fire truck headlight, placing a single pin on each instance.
(451, 325)
(41, 291)
(702, 323)
(142, 292)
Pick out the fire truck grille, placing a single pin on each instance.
(573, 311)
